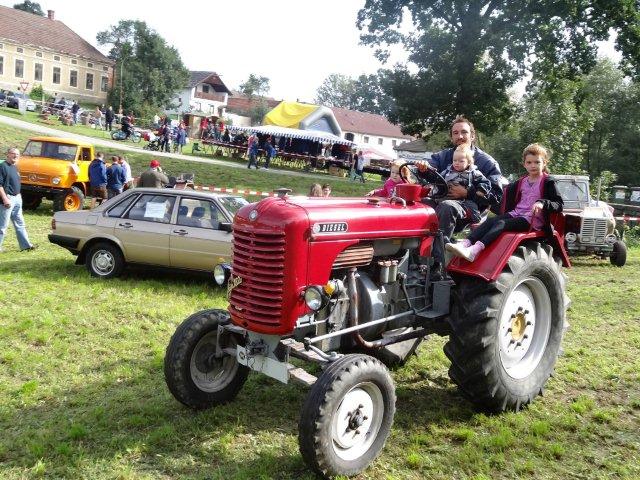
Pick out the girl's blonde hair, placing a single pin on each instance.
(465, 149)
(315, 190)
(537, 150)
(395, 163)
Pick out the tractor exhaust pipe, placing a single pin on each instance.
(353, 310)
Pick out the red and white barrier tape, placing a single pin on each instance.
(236, 191)
(627, 218)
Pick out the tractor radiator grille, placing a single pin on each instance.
(354, 256)
(258, 258)
(593, 229)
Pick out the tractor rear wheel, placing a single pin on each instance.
(195, 375)
(31, 201)
(619, 254)
(506, 334)
(347, 416)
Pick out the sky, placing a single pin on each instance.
(294, 43)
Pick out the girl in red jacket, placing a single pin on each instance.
(525, 206)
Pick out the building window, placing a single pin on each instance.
(205, 88)
(90, 65)
(104, 84)
(365, 139)
(105, 69)
(56, 75)
(89, 83)
(1, 46)
(380, 140)
(56, 58)
(394, 143)
(349, 136)
(1, 65)
(20, 50)
(19, 69)
(39, 54)
(73, 78)
(74, 62)
(37, 72)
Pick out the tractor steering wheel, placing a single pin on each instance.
(430, 177)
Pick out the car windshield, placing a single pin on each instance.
(56, 151)
(233, 204)
(573, 191)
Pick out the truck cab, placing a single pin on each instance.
(56, 169)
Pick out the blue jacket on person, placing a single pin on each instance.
(116, 177)
(97, 173)
(487, 165)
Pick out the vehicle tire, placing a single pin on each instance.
(136, 137)
(506, 335)
(115, 135)
(104, 260)
(31, 201)
(618, 256)
(69, 200)
(354, 394)
(194, 376)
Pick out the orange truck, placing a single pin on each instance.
(56, 169)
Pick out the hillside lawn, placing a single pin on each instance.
(82, 393)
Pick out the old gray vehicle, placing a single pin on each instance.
(590, 227)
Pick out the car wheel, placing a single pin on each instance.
(104, 260)
(619, 254)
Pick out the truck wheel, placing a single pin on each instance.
(347, 416)
(69, 200)
(194, 375)
(506, 334)
(104, 260)
(619, 254)
(31, 201)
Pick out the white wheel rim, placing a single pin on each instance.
(208, 373)
(362, 405)
(103, 262)
(525, 324)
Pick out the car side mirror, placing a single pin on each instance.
(225, 226)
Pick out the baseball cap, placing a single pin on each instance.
(154, 164)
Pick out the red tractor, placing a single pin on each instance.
(347, 283)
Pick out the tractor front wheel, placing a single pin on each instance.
(196, 373)
(506, 334)
(69, 200)
(619, 254)
(347, 416)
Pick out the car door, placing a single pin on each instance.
(196, 241)
(145, 229)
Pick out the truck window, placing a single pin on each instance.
(56, 151)
(86, 154)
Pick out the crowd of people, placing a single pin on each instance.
(472, 177)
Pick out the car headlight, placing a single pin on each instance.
(221, 273)
(55, 180)
(314, 298)
(611, 239)
(570, 237)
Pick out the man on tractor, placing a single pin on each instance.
(452, 216)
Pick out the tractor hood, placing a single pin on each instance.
(42, 170)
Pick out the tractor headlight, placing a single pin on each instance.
(314, 298)
(55, 180)
(221, 273)
(611, 239)
(570, 237)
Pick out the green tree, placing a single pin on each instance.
(31, 7)
(255, 85)
(336, 90)
(149, 72)
(365, 93)
(465, 55)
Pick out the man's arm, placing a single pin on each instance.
(5, 200)
(490, 168)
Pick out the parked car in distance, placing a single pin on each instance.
(590, 227)
(161, 227)
(13, 101)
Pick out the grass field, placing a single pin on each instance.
(82, 393)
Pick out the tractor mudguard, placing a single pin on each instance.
(492, 260)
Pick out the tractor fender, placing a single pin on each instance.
(491, 261)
